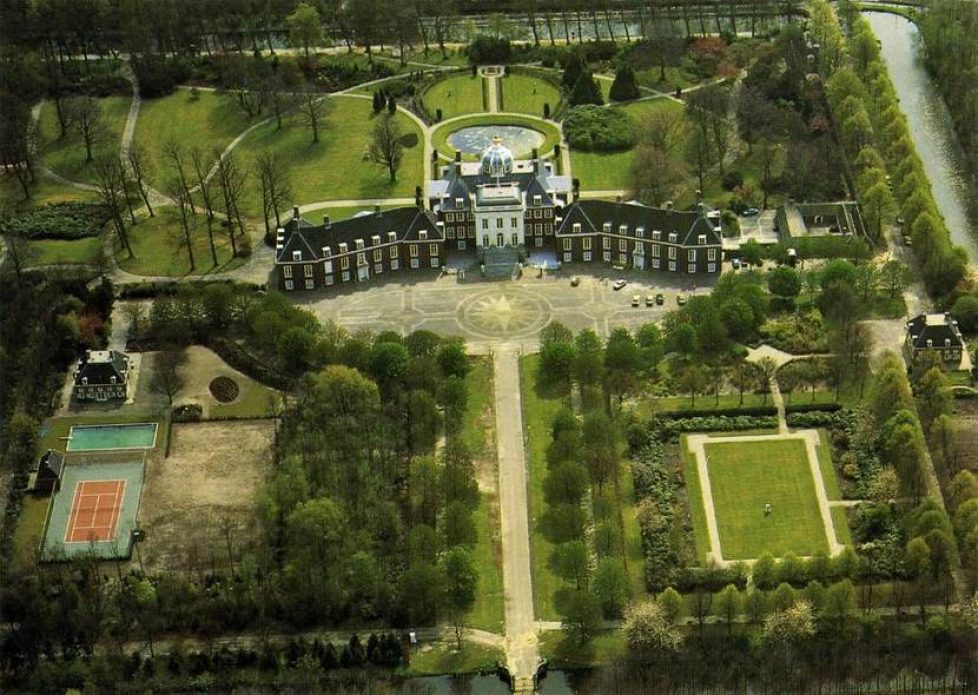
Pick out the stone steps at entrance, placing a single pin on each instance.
(500, 262)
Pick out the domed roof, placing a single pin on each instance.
(497, 160)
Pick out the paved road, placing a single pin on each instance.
(522, 648)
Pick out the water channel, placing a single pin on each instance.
(930, 126)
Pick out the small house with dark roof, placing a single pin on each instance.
(934, 334)
(103, 375)
(46, 477)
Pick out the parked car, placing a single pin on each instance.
(660, 299)
(750, 212)
(575, 281)
(735, 263)
(649, 300)
(636, 300)
(618, 284)
(680, 299)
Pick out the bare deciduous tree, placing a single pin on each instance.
(276, 188)
(167, 379)
(111, 181)
(139, 168)
(231, 180)
(312, 110)
(85, 116)
(386, 147)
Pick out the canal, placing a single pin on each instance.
(930, 126)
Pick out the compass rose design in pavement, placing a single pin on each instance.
(501, 313)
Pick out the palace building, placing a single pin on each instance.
(495, 213)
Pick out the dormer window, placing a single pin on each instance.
(538, 200)
(656, 235)
(375, 240)
(327, 252)
(673, 237)
(297, 255)
(606, 228)
(701, 239)
(343, 247)
(460, 202)
(391, 237)
(576, 228)
(640, 232)
(623, 229)
(423, 234)
(359, 243)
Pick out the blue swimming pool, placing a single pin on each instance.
(99, 437)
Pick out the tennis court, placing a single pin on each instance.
(94, 511)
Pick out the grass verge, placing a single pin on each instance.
(439, 658)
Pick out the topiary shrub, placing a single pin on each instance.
(603, 130)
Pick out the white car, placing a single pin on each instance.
(618, 284)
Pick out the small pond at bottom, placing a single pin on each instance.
(475, 139)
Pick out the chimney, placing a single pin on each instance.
(458, 168)
(326, 223)
(576, 189)
(458, 155)
(418, 198)
(295, 212)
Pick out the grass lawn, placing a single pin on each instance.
(745, 477)
(207, 122)
(66, 156)
(457, 95)
(159, 247)
(538, 415)
(335, 168)
(527, 94)
(44, 191)
(694, 493)
(434, 659)
(603, 171)
(439, 138)
(54, 433)
(840, 520)
(254, 400)
(607, 647)
(30, 526)
(478, 435)
(60, 251)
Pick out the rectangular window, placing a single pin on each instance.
(711, 254)
(711, 268)
(307, 270)
(548, 229)
(568, 257)
(378, 255)
(691, 268)
(345, 276)
(576, 228)
(691, 255)
(413, 250)
(514, 239)
(432, 249)
(656, 235)
(622, 244)
(423, 234)
(587, 255)
(329, 279)
(567, 244)
(395, 264)
(415, 263)
(538, 241)
(378, 268)
(672, 253)
(673, 237)
(434, 262)
(656, 250)
(328, 267)
(606, 228)
(345, 262)
(309, 284)
(701, 239)
(393, 251)
(485, 223)
(639, 248)
(606, 256)
(450, 232)
(537, 214)
(623, 258)
(297, 255)
(537, 200)
(587, 243)
(287, 271)
(605, 243)
(461, 245)
(514, 222)
(538, 228)
(672, 266)
(361, 259)
(449, 216)
(499, 223)
(289, 285)
(655, 263)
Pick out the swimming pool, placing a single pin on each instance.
(96, 437)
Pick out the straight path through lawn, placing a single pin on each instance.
(522, 648)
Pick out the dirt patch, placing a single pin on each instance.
(203, 495)
(224, 389)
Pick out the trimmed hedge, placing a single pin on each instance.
(719, 412)
(153, 289)
(599, 129)
(70, 220)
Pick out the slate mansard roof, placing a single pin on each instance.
(101, 366)
(463, 179)
(592, 215)
(939, 329)
(309, 239)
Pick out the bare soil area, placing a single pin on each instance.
(966, 433)
(202, 498)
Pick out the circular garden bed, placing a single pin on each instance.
(224, 389)
(439, 138)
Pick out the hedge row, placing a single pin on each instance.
(70, 220)
(153, 289)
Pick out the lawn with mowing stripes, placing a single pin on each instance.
(744, 477)
(455, 96)
(527, 94)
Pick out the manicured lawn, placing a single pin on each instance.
(433, 659)
(207, 122)
(457, 95)
(538, 414)
(58, 251)
(335, 168)
(648, 406)
(478, 435)
(44, 191)
(159, 247)
(66, 156)
(603, 171)
(832, 490)
(527, 94)
(840, 520)
(439, 138)
(607, 647)
(30, 527)
(694, 494)
(254, 400)
(744, 478)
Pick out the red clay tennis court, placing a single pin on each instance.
(95, 510)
